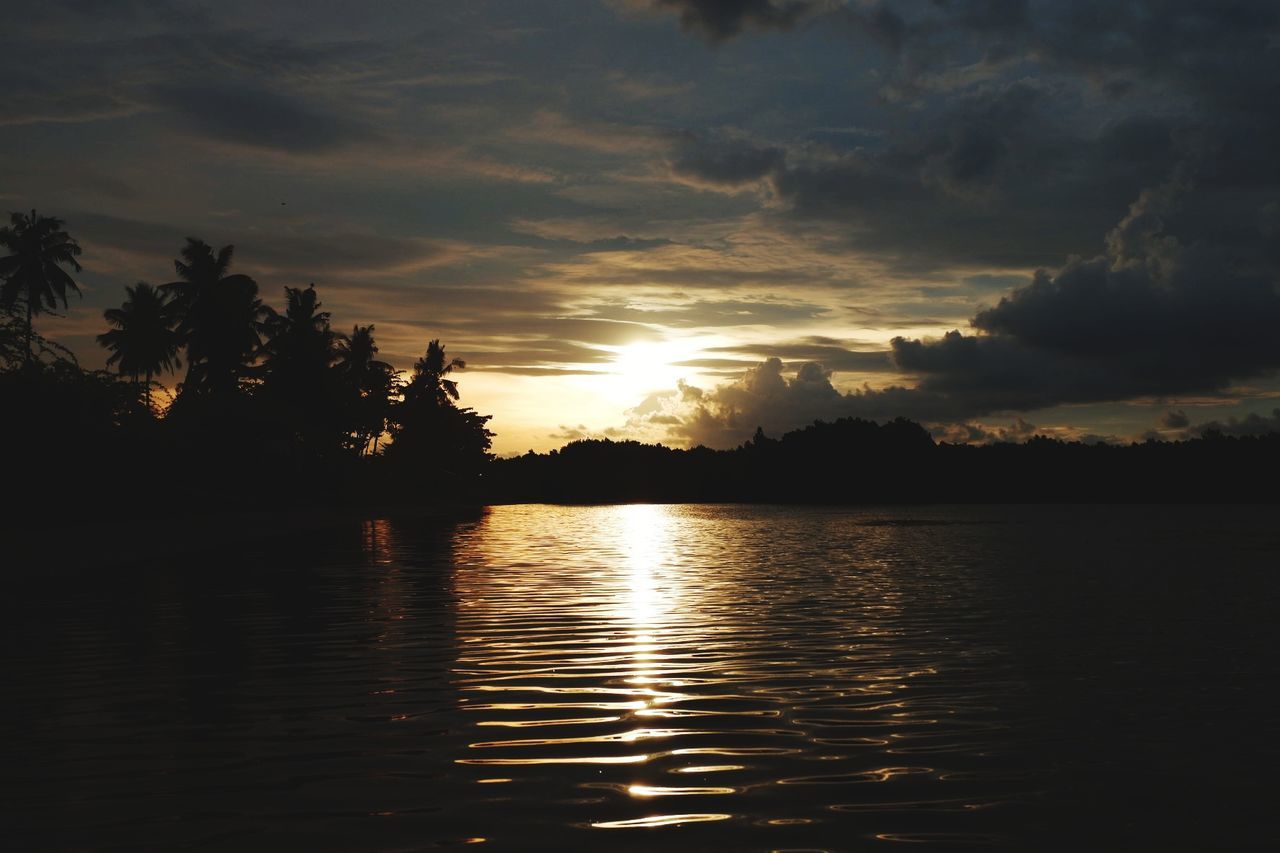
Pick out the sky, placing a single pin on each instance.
(678, 220)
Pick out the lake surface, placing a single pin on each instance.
(660, 677)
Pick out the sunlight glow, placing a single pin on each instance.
(640, 368)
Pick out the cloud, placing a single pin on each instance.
(1024, 130)
(683, 312)
(1251, 424)
(1018, 431)
(570, 433)
(1174, 419)
(723, 162)
(254, 115)
(717, 20)
(548, 127)
(830, 356)
(623, 243)
(146, 249)
(998, 177)
(763, 396)
(1149, 317)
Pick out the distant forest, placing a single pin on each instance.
(858, 461)
(275, 408)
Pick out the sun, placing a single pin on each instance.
(642, 367)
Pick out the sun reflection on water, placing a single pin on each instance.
(645, 535)
(581, 631)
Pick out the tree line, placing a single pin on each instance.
(262, 394)
(856, 461)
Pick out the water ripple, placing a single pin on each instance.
(754, 678)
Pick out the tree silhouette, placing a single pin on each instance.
(143, 342)
(221, 318)
(368, 385)
(32, 273)
(297, 355)
(428, 381)
(299, 343)
(428, 429)
(356, 354)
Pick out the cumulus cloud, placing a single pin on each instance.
(768, 395)
(764, 397)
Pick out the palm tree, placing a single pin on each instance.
(143, 342)
(356, 352)
(220, 318)
(368, 384)
(299, 340)
(427, 427)
(297, 356)
(33, 271)
(428, 381)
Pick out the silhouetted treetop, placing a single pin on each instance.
(143, 341)
(32, 274)
(222, 318)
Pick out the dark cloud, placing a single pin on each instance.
(1207, 46)
(722, 19)
(1174, 419)
(724, 162)
(1150, 317)
(95, 20)
(998, 16)
(998, 177)
(1006, 157)
(250, 114)
(1251, 424)
(622, 243)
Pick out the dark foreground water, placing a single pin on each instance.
(655, 677)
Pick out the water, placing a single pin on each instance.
(649, 677)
